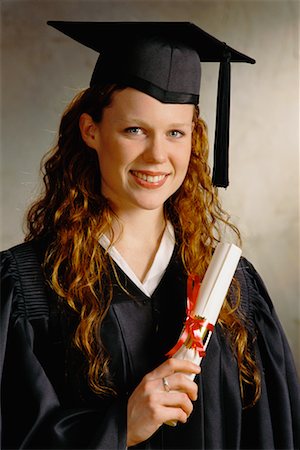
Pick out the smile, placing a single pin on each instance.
(148, 178)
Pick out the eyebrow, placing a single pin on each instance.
(140, 122)
(180, 125)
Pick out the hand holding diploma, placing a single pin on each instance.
(204, 304)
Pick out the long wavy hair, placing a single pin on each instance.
(72, 213)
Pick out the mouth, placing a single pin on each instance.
(149, 179)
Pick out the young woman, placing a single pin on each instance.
(96, 297)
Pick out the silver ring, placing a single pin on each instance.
(166, 384)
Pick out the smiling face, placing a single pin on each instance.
(143, 148)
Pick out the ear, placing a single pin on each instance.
(89, 130)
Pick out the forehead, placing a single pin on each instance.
(130, 102)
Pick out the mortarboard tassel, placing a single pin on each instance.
(221, 163)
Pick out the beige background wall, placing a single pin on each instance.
(42, 70)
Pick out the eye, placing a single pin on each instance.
(176, 134)
(135, 131)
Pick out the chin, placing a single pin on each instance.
(150, 205)
(153, 204)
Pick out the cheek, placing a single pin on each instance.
(184, 159)
(112, 160)
(184, 165)
(119, 154)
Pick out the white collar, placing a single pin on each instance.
(158, 267)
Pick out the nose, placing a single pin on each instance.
(155, 151)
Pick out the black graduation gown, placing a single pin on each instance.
(46, 402)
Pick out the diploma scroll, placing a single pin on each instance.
(206, 306)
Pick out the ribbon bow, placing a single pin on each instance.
(195, 328)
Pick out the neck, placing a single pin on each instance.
(137, 237)
(140, 225)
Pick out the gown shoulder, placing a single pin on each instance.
(34, 413)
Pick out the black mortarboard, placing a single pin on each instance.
(162, 59)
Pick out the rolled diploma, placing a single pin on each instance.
(211, 296)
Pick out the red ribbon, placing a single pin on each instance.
(191, 331)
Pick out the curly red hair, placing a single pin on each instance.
(72, 211)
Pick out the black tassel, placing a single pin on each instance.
(221, 162)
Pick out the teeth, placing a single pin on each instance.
(149, 178)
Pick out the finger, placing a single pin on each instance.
(173, 365)
(173, 415)
(177, 399)
(180, 382)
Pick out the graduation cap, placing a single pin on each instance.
(162, 59)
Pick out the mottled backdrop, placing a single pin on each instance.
(42, 70)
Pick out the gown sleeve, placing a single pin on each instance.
(274, 421)
(32, 413)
